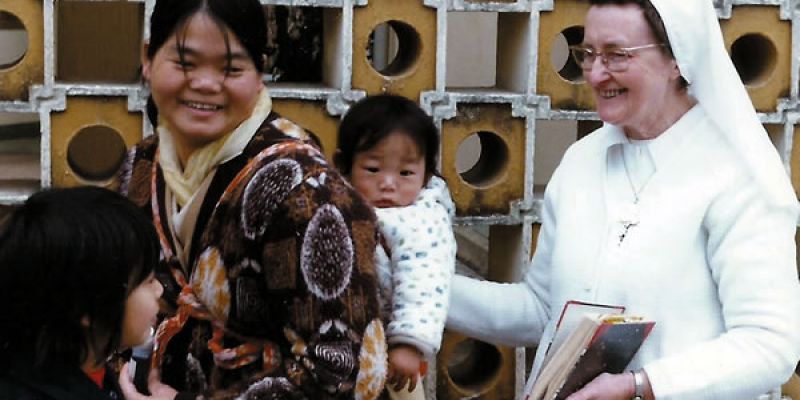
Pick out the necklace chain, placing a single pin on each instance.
(632, 215)
(635, 192)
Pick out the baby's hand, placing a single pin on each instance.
(405, 362)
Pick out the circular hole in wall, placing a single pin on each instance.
(560, 58)
(481, 158)
(13, 40)
(394, 48)
(473, 365)
(754, 57)
(96, 152)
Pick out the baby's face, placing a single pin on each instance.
(391, 173)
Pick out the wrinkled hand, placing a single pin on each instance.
(405, 362)
(607, 387)
(158, 390)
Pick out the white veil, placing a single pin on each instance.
(696, 39)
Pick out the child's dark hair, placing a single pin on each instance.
(68, 256)
(374, 118)
(245, 18)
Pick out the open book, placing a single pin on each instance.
(590, 339)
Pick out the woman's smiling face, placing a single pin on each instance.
(202, 95)
(635, 99)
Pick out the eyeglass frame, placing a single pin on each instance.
(626, 52)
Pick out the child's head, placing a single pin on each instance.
(388, 148)
(76, 278)
(204, 62)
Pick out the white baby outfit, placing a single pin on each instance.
(415, 276)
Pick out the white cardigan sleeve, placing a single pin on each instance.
(511, 314)
(423, 251)
(751, 253)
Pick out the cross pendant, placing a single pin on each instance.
(626, 225)
(629, 218)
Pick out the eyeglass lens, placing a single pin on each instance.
(614, 59)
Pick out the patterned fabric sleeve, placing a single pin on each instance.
(423, 261)
(290, 260)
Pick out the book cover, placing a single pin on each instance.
(611, 349)
(571, 316)
(585, 345)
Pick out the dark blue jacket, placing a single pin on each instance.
(56, 384)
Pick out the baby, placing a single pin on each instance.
(388, 148)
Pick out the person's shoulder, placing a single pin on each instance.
(277, 128)
(12, 389)
(132, 176)
(598, 139)
(435, 196)
(296, 173)
(433, 208)
(146, 148)
(711, 147)
(287, 127)
(280, 138)
(593, 146)
(15, 391)
(23, 385)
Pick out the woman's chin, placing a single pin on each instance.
(198, 132)
(608, 116)
(198, 139)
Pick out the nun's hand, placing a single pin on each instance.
(607, 387)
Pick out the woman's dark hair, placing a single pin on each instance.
(68, 256)
(374, 118)
(653, 19)
(245, 18)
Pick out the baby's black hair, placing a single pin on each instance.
(68, 256)
(372, 119)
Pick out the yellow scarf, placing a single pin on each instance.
(183, 182)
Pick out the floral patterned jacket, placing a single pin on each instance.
(281, 297)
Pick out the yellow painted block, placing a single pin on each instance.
(760, 44)
(506, 250)
(312, 116)
(794, 162)
(467, 368)
(499, 175)
(567, 17)
(797, 243)
(792, 387)
(414, 68)
(15, 80)
(99, 41)
(89, 140)
(537, 227)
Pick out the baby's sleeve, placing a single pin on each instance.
(423, 251)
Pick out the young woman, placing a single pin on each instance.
(267, 267)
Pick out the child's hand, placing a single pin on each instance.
(404, 366)
(158, 390)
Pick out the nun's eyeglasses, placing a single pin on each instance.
(615, 59)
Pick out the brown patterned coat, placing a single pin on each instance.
(281, 299)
